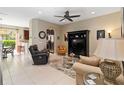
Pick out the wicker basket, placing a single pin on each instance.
(111, 70)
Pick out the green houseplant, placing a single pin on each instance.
(8, 42)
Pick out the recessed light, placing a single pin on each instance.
(39, 12)
(93, 12)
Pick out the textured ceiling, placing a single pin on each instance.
(21, 15)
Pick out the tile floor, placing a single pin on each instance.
(18, 70)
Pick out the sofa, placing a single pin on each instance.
(81, 68)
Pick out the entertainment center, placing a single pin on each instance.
(78, 42)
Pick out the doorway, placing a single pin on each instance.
(50, 40)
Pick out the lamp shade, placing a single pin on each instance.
(110, 48)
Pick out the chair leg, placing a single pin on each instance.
(12, 54)
(4, 55)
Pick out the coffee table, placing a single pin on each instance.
(68, 63)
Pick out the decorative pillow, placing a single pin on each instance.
(93, 60)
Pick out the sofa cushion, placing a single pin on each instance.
(93, 60)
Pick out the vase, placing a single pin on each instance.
(111, 70)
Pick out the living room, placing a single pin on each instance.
(49, 34)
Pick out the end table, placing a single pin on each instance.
(92, 78)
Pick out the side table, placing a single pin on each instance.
(93, 79)
(69, 61)
(67, 64)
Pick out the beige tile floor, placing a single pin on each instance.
(18, 70)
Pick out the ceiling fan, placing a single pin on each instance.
(67, 16)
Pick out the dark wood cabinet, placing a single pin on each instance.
(78, 42)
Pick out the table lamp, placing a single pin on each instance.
(112, 51)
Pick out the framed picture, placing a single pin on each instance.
(100, 34)
(26, 34)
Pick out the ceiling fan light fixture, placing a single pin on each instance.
(63, 21)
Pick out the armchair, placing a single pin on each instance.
(38, 57)
(61, 50)
(86, 65)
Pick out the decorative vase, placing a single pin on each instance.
(111, 70)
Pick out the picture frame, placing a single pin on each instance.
(100, 34)
(26, 34)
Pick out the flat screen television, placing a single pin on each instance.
(78, 46)
(78, 42)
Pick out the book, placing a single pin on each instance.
(92, 76)
(90, 82)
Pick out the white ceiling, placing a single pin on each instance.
(20, 16)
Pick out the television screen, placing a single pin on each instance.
(78, 44)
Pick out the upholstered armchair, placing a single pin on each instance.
(61, 50)
(85, 65)
(39, 57)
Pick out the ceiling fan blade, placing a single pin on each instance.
(62, 19)
(70, 19)
(60, 16)
(74, 16)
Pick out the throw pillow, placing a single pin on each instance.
(93, 60)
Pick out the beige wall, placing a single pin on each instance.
(108, 22)
(40, 25)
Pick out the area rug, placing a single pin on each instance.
(68, 71)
